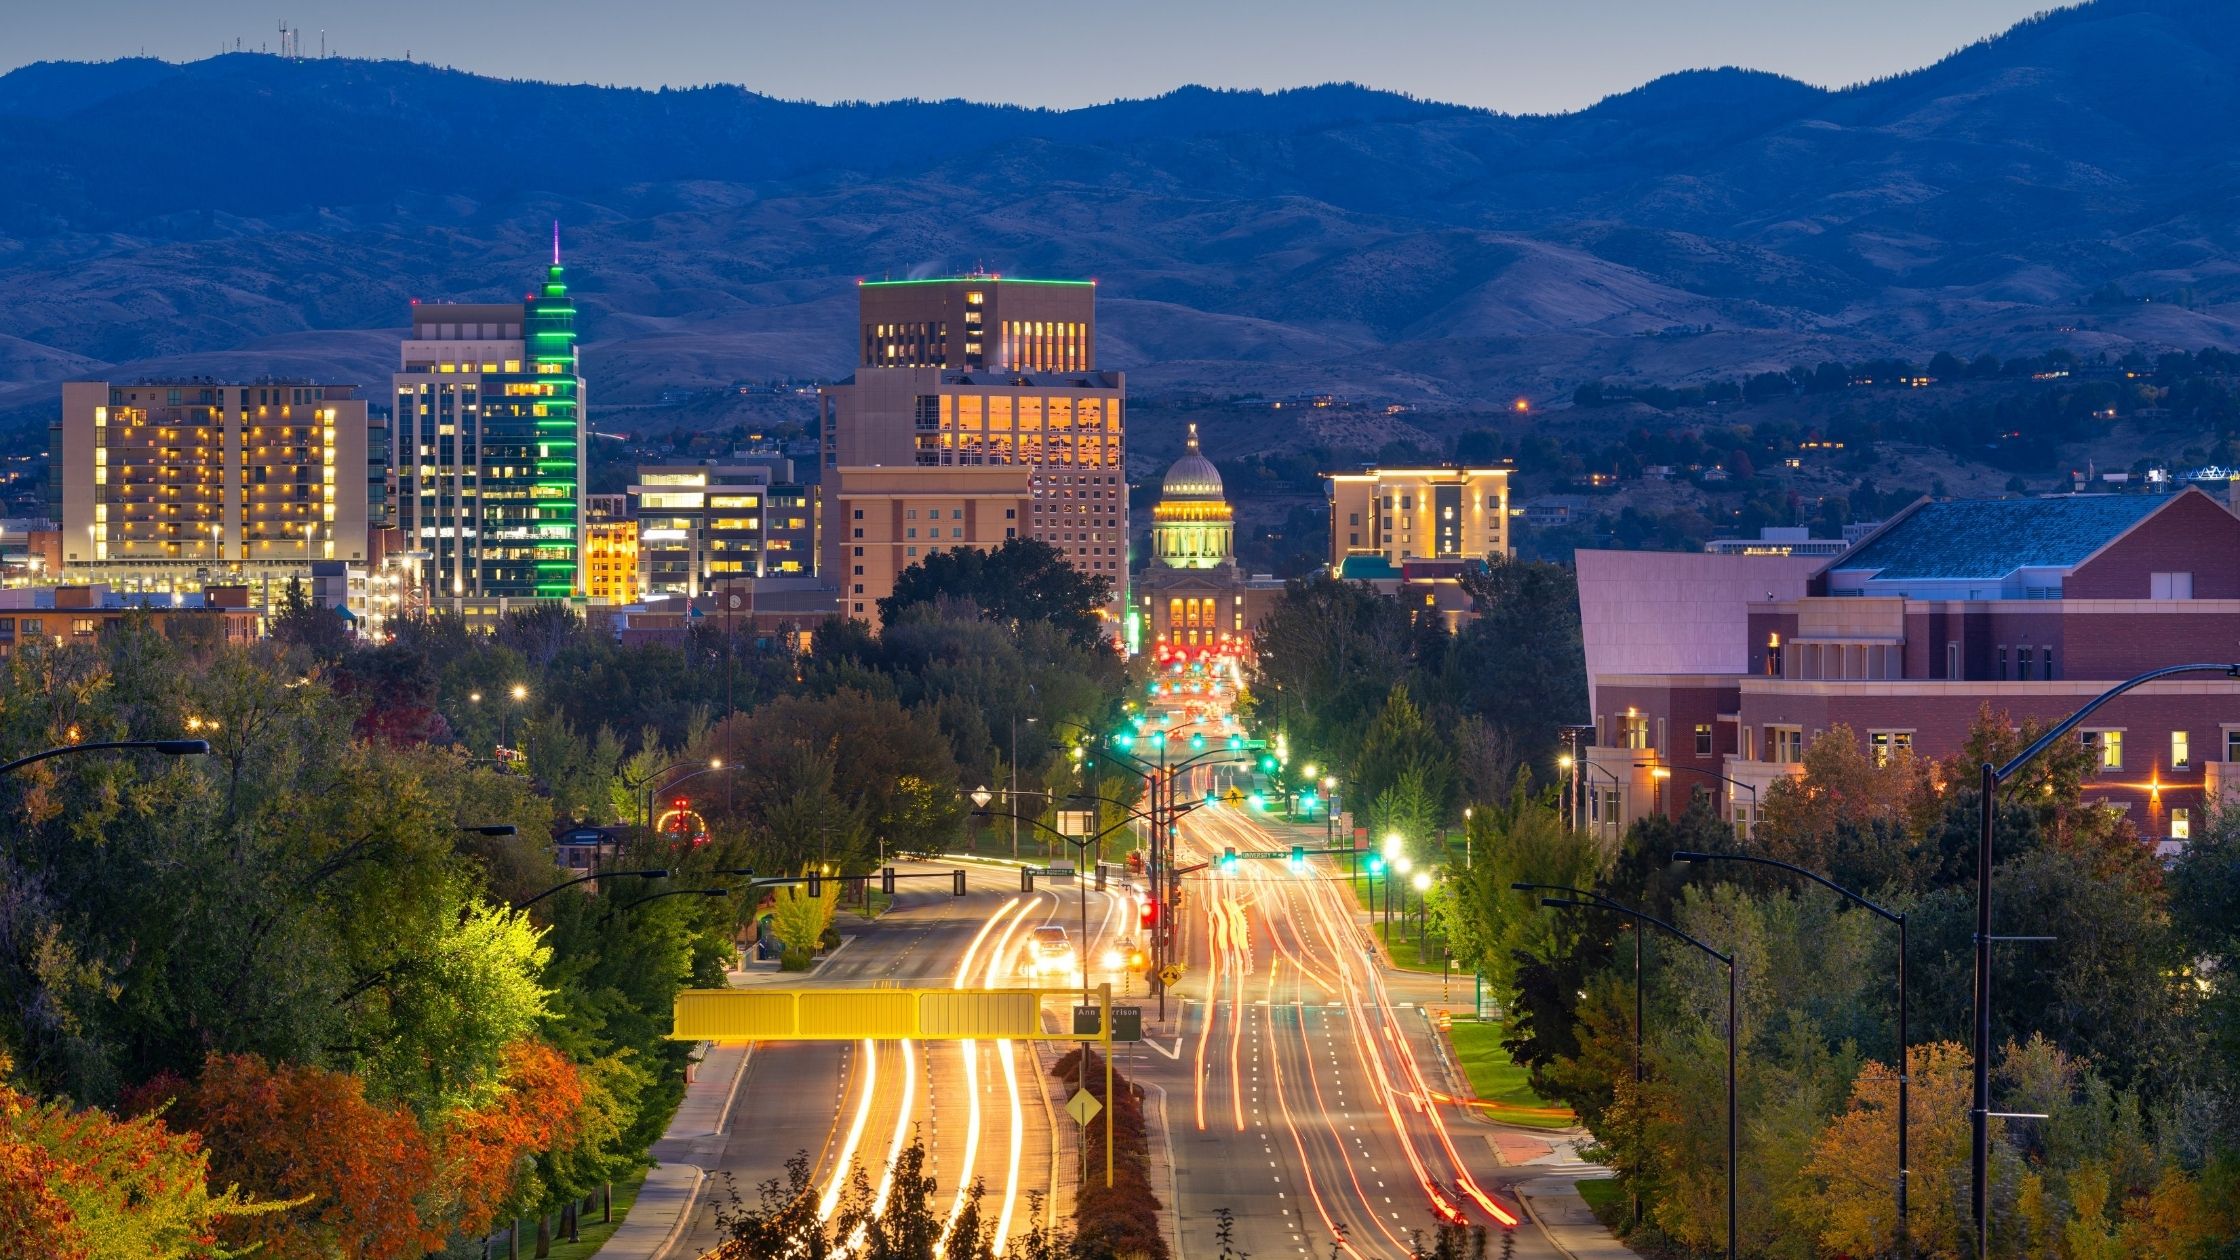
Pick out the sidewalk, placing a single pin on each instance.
(683, 1158)
(694, 1143)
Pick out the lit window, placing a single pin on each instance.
(2181, 749)
(2108, 744)
(2181, 824)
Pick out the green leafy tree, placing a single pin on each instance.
(1024, 580)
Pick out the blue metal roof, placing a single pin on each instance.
(1990, 538)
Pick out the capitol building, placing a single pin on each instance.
(1192, 597)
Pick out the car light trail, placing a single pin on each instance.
(970, 1052)
(1005, 1055)
(847, 1157)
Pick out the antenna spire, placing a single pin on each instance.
(556, 242)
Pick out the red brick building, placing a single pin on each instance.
(2030, 606)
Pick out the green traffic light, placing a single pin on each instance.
(1376, 864)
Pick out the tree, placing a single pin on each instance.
(353, 1168)
(1521, 663)
(1024, 580)
(486, 1167)
(82, 1185)
(1850, 1173)
(802, 920)
(1398, 744)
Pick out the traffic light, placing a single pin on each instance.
(1212, 798)
(1267, 764)
(1228, 861)
(1150, 916)
(1235, 742)
(1258, 801)
(816, 884)
(1138, 961)
(1376, 864)
(886, 880)
(956, 885)
(1298, 855)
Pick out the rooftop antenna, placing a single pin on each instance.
(283, 37)
(556, 242)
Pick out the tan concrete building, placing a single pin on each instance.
(979, 322)
(1400, 515)
(1015, 387)
(883, 520)
(166, 485)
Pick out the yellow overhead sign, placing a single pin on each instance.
(768, 1014)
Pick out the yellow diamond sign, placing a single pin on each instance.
(1171, 974)
(1083, 1107)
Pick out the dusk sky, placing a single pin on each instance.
(1511, 55)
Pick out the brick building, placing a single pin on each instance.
(2029, 606)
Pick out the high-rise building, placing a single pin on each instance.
(703, 523)
(490, 446)
(169, 484)
(979, 322)
(981, 371)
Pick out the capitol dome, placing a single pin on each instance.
(1193, 476)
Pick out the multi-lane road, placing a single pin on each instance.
(1300, 1083)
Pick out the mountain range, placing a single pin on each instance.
(2071, 182)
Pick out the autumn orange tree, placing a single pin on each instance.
(83, 1184)
(353, 1167)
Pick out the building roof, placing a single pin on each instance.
(1193, 476)
(1367, 569)
(1990, 538)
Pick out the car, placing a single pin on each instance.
(1049, 951)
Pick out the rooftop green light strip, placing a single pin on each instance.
(882, 284)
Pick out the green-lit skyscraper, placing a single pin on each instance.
(490, 447)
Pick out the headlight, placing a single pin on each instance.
(1112, 960)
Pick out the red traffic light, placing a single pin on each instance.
(1151, 913)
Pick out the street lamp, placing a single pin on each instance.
(168, 747)
(519, 693)
(1733, 1132)
(1905, 1069)
(655, 873)
(1980, 1109)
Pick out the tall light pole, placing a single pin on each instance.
(1733, 1131)
(1640, 1127)
(1979, 1112)
(1905, 1068)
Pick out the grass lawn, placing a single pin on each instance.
(1607, 1198)
(1494, 1079)
(593, 1231)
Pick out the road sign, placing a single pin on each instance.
(1077, 822)
(1171, 974)
(1127, 1023)
(1234, 796)
(1051, 872)
(1087, 1021)
(1083, 1107)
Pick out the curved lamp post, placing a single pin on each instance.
(168, 747)
(1979, 1111)
(1905, 1069)
(1733, 1132)
(1667, 767)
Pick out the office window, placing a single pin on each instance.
(2107, 744)
(2002, 674)
(2022, 663)
(1773, 655)
(2170, 586)
(2232, 743)
(1703, 739)
(1885, 744)
(1633, 731)
(2181, 750)
(2181, 824)
(1785, 743)
(859, 514)
(1952, 660)
(2047, 663)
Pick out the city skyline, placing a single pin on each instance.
(1513, 59)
